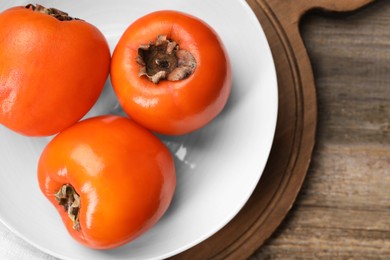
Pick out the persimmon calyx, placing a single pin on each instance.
(164, 59)
(58, 14)
(70, 200)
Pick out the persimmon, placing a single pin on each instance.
(52, 69)
(171, 72)
(109, 178)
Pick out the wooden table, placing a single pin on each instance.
(343, 209)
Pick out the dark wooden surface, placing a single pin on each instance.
(343, 208)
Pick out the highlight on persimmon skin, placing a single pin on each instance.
(53, 69)
(110, 179)
(171, 72)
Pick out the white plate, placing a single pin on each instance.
(218, 166)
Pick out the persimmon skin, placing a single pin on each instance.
(125, 177)
(51, 72)
(172, 107)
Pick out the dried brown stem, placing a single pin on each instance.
(58, 14)
(165, 60)
(70, 200)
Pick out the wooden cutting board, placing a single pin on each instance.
(295, 132)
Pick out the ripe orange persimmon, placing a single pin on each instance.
(52, 69)
(171, 72)
(109, 178)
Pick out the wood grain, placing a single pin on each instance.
(343, 209)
